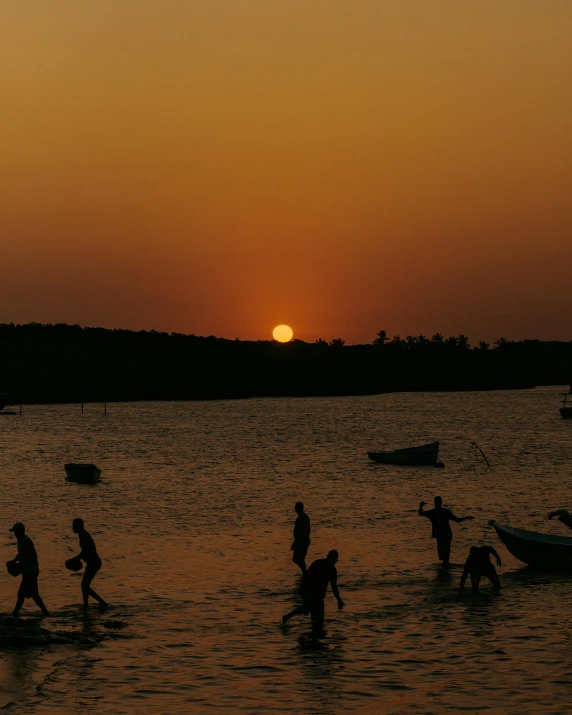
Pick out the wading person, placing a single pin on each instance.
(301, 537)
(478, 565)
(441, 528)
(92, 561)
(564, 516)
(27, 559)
(313, 589)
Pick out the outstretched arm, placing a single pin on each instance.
(334, 585)
(459, 519)
(420, 511)
(552, 514)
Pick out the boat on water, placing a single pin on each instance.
(82, 473)
(544, 551)
(424, 455)
(565, 411)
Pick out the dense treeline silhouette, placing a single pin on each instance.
(68, 363)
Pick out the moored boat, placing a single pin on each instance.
(566, 412)
(425, 454)
(82, 473)
(545, 551)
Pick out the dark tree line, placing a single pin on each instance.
(68, 363)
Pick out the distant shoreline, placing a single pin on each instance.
(68, 364)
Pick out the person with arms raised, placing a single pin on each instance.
(440, 519)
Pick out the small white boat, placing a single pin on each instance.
(82, 473)
(546, 551)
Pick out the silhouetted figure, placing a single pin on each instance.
(478, 565)
(313, 589)
(27, 558)
(564, 516)
(301, 537)
(92, 563)
(441, 528)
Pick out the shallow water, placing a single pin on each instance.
(193, 520)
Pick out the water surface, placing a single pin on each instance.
(194, 518)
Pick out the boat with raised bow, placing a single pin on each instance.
(544, 551)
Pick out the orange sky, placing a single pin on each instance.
(342, 166)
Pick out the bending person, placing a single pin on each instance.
(27, 558)
(564, 516)
(301, 537)
(441, 528)
(478, 565)
(92, 563)
(313, 589)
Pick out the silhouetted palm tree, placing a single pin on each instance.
(381, 338)
(438, 339)
(483, 345)
(337, 343)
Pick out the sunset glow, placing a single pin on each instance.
(406, 164)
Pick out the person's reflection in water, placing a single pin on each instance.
(92, 563)
(441, 528)
(313, 589)
(27, 558)
(478, 565)
(564, 516)
(301, 537)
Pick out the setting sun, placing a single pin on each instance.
(283, 333)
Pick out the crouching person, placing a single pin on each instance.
(478, 565)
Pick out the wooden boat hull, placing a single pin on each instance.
(82, 473)
(425, 455)
(542, 551)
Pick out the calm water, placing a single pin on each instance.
(194, 518)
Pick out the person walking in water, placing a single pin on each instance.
(441, 528)
(92, 563)
(27, 558)
(313, 589)
(479, 564)
(564, 516)
(301, 537)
